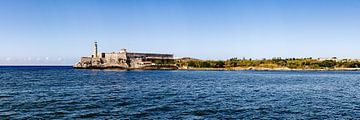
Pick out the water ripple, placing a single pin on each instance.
(66, 93)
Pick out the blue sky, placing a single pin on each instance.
(61, 31)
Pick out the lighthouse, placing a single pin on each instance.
(95, 54)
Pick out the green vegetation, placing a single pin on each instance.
(205, 64)
(161, 61)
(291, 63)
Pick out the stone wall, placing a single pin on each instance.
(122, 60)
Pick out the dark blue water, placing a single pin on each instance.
(66, 93)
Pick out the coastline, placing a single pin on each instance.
(269, 69)
(228, 69)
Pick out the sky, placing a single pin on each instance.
(59, 32)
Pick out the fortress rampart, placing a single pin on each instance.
(126, 60)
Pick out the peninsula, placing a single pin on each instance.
(129, 60)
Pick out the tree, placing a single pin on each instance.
(328, 63)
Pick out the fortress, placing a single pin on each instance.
(126, 60)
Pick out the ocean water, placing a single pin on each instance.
(66, 93)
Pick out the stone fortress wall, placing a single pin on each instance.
(127, 60)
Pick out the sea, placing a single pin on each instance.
(61, 92)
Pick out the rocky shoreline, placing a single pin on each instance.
(224, 69)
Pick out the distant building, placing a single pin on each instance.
(127, 60)
(331, 58)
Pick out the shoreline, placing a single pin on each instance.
(231, 69)
(268, 69)
(201, 69)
